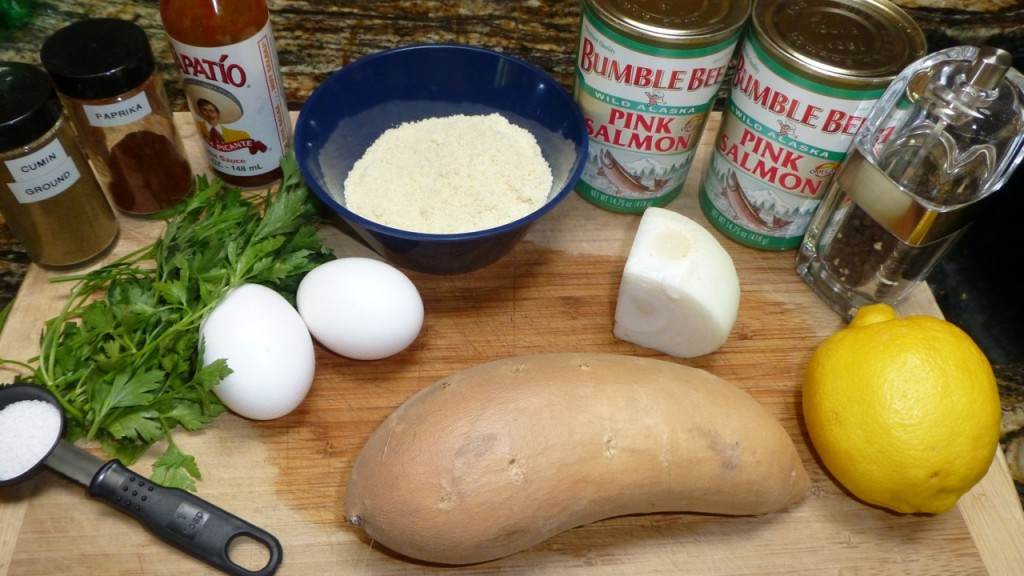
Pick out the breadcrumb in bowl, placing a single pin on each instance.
(356, 105)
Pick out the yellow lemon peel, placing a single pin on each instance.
(903, 412)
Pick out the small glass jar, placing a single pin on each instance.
(105, 73)
(49, 197)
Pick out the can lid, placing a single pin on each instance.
(682, 21)
(98, 58)
(30, 108)
(855, 43)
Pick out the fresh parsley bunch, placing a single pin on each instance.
(123, 357)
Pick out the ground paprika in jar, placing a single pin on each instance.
(107, 78)
(225, 51)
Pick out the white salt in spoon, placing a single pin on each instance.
(31, 426)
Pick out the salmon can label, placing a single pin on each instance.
(806, 78)
(781, 140)
(645, 107)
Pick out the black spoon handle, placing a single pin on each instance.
(183, 519)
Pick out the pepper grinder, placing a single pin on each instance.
(944, 136)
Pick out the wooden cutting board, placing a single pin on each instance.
(555, 292)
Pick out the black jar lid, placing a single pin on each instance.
(30, 104)
(98, 58)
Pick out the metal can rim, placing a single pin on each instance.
(648, 29)
(787, 53)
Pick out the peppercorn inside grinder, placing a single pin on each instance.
(179, 518)
(945, 135)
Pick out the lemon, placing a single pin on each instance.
(903, 412)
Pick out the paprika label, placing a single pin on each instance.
(120, 113)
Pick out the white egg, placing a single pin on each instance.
(268, 348)
(360, 308)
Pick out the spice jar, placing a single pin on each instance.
(49, 197)
(947, 133)
(105, 73)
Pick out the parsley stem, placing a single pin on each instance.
(124, 355)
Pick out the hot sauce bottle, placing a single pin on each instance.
(225, 51)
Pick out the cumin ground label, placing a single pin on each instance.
(805, 79)
(645, 100)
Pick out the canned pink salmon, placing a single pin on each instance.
(647, 73)
(806, 76)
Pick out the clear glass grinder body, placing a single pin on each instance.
(946, 134)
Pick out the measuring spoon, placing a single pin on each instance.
(176, 516)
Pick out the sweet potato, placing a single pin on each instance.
(502, 456)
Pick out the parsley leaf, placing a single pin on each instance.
(175, 468)
(123, 356)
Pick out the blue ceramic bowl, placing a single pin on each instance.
(352, 107)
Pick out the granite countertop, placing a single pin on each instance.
(315, 38)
